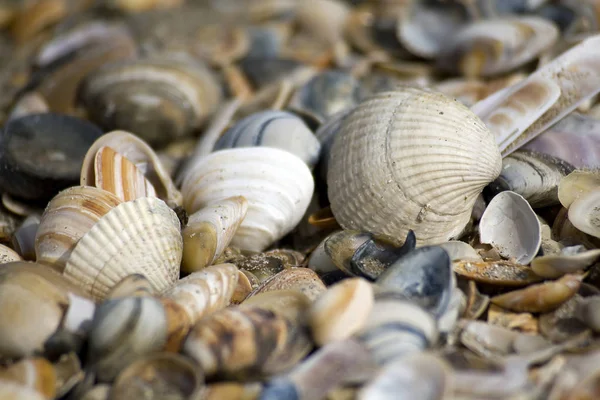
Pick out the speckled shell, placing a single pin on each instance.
(141, 236)
(410, 159)
(69, 216)
(277, 184)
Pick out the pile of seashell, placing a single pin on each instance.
(300, 199)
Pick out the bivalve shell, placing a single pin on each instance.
(410, 160)
(141, 236)
(277, 184)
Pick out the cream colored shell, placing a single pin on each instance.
(277, 184)
(141, 236)
(410, 159)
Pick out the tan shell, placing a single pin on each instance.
(584, 213)
(119, 176)
(35, 373)
(8, 255)
(304, 280)
(141, 154)
(577, 184)
(69, 216)
(210, 230)
(141, 236)
(398, 164)
(341, 311)
(206, 291)
(277, 184)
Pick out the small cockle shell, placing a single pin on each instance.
(246, 342)
(304, 280)
(511, 226)
(116, 174)
(159, 376)
(206, 291)
(384, 148)
(35, 373)
(534, 176)
(542, 297)
(141, 154)
(341, 311)
(210, 230)
(277, 184)
(521, 112)
(67, 218)
(270, 128)
(158, 99)
(396, 328)
(492, 47)
(123, 330)
(141, 236)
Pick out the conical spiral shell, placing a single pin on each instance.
(277, 184)
(410, 159)
(137, 237)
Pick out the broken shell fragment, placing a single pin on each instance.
(570, 260)
(304, 280)
(577, 184)
(210, 230)
(501, 273)
(510, 225)
(438, 208)
(584, 213)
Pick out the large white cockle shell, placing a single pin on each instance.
(410, 159)
(277, 184)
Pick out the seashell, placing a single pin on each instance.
(119, 176)
(396, 328)
(341, 311)
(242, 289)
(426, 28)
(292, 303)
(325, 95)
(67, 218)
(573, 139)
(139, 153)
(133, 285)
(68, 373)
(134, 6)
(140, 236)
(563, 323)
(183, 94)
(576, 185)
(323, 219)
(24, 237)
(477, 303)
(19, 207)
(586, 311)
(423, 276)
(304, 280)
(492, 47)
(278, 129)
(320, 262)
(220, 44)
(98, 392)
(14, 391)
(362, 254)
(163, 375)
(323, 20)
(32, 309)
(564, 231)
(542, 297)
(34, 373)
(204, 292)
(535, 176)
(507, 215)
(233, 390)
(8, 255)
(277, 185)
(523, 322)
(501, 273)
(556, 77)
(337, 363)
(569, 260)
(269, 263)
(263, 72)
(27, 104)
(431, 208)
(460, 251)
(124, 330)
(418, 376)
(210, 230)
(260, 343)
(583, 213)
(43, 153)
(35, 17)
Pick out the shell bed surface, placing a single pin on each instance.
(299, 199)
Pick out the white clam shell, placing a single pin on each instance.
(568, 261)
(577, 184)
(460, 251)
(410, 159)
(141, 236)
(584, 213)
(210, 230)
(277, 184)
(510, 225)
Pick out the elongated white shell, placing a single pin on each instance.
(138, 237)
(277, 184)
(410, 159)
(210, 230)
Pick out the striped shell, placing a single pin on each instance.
(141, 236)
(410, 159)
(277, 184)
